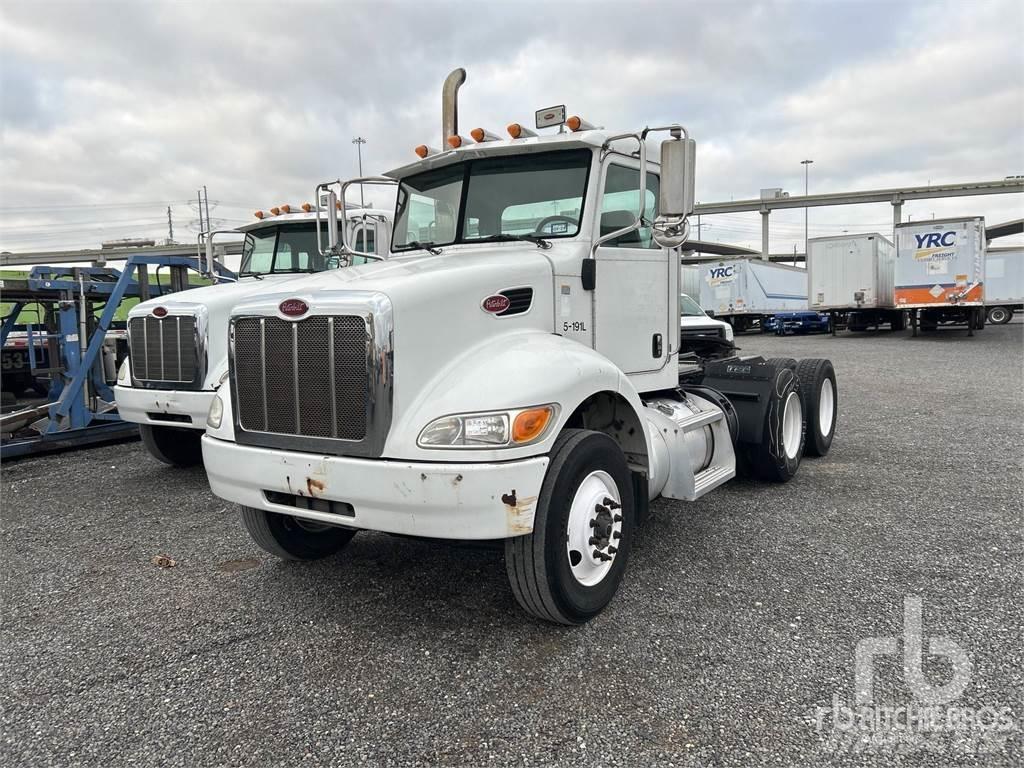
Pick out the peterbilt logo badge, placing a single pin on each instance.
(495, 304)
(160, 312)
(293, 307)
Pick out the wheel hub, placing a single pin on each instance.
(594, 528)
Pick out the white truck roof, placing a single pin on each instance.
(295, 217)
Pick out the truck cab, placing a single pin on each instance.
(510, 373)
(178, 343)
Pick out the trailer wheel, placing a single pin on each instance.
(777, 457)
(173, 445)
(999, 315)
(568, 569)
(820, 397)
(292, 538)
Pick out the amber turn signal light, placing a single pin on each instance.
(530, 424)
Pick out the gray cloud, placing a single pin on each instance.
(132, 106)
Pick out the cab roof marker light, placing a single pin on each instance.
(424, 151)
(307, 207)
(259, 214)
(519, 131)
(577, 123)
(482, 134)
(457, 141)
(286, 208)
(275, 211)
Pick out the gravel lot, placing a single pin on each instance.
(738, 618)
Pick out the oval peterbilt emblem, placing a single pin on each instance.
(160, 312)
(495, 304)
(293, 307)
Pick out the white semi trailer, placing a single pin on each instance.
(1004, 283)
(940, 272)
(851, 276)
(509, 373)
(178, 343)
(745, 291)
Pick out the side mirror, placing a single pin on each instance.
(332, 221)
(678, 174)
(676, 192)
(209, 255)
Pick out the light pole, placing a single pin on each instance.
(807, 165)
(359, 141)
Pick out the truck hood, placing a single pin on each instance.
(218, 299)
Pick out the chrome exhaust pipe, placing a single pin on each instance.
(450, 104)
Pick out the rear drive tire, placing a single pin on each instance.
(1000, 315)
(777, 457)
(292, 538)
(172, 445)
(821, 404)
(568, 569)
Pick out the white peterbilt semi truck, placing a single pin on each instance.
(509, 373)
(178, 343)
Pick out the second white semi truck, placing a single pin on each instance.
(744, 292)
(178, 343)
(510, 373)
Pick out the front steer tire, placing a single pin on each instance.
(291, 538)
(173, 445)
(538, 564)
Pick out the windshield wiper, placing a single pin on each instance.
(423, 246)
(257, 275)
(540, 242)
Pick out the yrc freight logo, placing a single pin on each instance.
(721, 275)
(935, 245)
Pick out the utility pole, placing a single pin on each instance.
(359, 141)
(199, 205)
(206, 199)
(806, 164)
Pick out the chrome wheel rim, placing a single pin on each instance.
(594, 528)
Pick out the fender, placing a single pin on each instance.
(517, 369)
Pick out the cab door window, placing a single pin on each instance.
(619, 204)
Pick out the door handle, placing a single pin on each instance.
(656, 345)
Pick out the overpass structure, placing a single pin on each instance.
(896, 197)
(100, 256)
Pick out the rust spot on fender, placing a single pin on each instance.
(519, 513)
(315, 487)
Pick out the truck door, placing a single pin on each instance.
(631, 295)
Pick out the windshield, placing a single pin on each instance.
(690, 308)
(276, 250)
(538, 195)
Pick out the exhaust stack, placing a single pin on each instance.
(450, 104)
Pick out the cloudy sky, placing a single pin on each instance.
(113, 111)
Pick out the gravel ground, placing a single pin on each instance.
(738, 618)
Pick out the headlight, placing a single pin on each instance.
(124, 375)
(728, 332)
(501, 429)
(213, 418)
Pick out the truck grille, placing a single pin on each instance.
(163, 350)
(307, 377)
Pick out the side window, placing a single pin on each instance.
(619, 203)
(364, 238)
(261, 257)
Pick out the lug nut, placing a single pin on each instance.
(617, 535)
(599, 508)
(612, 550)
(593, 523)
(594, 541)
(617, 518)
(612, 503)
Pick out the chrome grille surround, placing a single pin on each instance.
(168, 352)
(322, 383)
